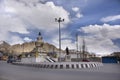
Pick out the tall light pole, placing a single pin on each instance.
(59, 20)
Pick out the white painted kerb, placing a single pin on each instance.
(62, 65)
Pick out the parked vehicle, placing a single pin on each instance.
(11, 59)
(85, 60)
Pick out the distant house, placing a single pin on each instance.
(117, 54)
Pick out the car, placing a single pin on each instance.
(85, 60)
(11, 59)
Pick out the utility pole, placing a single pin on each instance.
(59, 20)
(77, 45)
(83, 48)
(23, 48)
(80, 51)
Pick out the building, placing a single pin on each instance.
(109, 59)
(117, 54)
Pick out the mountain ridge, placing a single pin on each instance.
(26, 47)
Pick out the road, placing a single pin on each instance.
(14, 72)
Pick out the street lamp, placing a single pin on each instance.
(59, 20)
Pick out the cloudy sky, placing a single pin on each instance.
(98, 21)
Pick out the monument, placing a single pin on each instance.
(67, 56)
(39, 44)
(38, 54)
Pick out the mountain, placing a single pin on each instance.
(39, 45)
(4, 47)
(28, 47)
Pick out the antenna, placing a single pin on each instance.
(77, 44)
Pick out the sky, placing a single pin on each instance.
(97, 21)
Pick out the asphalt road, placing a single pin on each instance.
(14, 72)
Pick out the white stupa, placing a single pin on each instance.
(39, 54)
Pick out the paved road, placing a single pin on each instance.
(13, 72)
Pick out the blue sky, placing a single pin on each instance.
(97, 20)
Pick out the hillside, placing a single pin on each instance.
(26, 47)
(4, 47)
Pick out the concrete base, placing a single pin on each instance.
(68, 58)
(33, 59)
(62, 65)
(39, 59)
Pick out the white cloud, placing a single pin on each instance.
(100, 38)
(66, 41)
(105, 30)
(78, 15)
(75, 9)
(11, 24)
(29, 1)
(16, 16)
(41, 15)
(9, 10)
(110, 18)
(15, 40)
(27, 39)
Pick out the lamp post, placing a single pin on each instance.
(59, 20)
